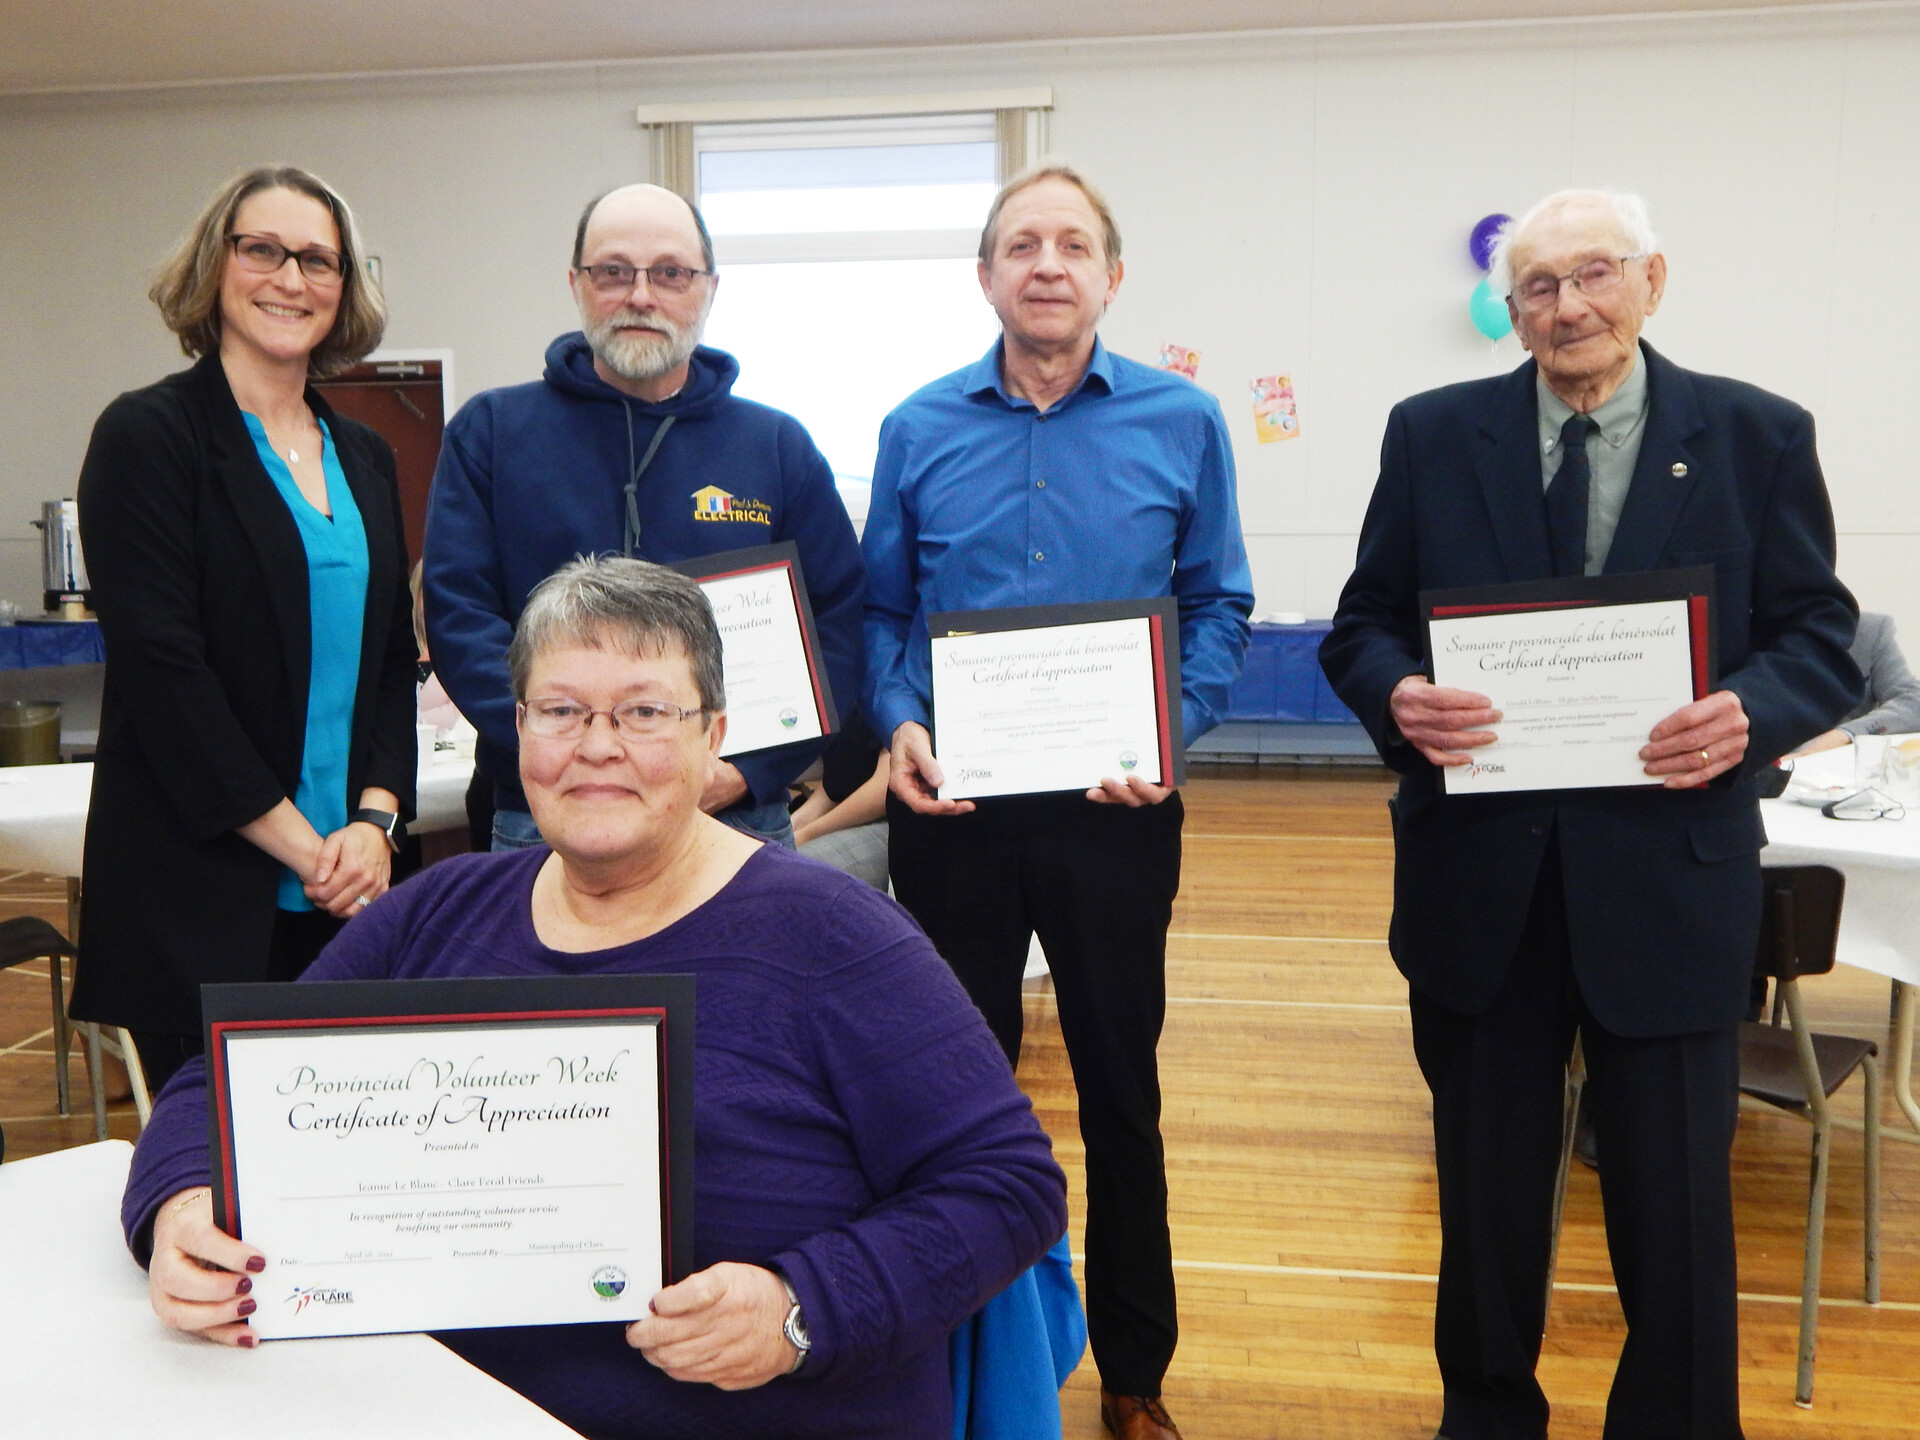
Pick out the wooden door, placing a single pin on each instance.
(402, 400)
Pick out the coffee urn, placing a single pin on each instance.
(63, 569)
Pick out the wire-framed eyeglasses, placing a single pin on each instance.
(1596, 277)
(560, 719)
(612, 278)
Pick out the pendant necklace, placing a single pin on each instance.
(293, 454)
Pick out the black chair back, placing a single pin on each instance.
(1800, 922)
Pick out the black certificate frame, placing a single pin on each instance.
(1694, 584)
(784, 555)
(1162, 612)
(529, 1001)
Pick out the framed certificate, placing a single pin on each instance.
(450, 1154)
(1057, 697)
(1581, 670)
(777, 690)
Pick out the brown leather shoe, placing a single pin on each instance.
(1136, 1417)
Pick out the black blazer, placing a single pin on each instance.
(200, 581)
(1663, 887)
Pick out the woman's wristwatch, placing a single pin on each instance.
(388, 823)
(795, 1326)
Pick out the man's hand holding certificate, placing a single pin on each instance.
(1572, 685)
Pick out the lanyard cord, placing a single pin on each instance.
(631, 540)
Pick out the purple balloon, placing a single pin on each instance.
(1480, 242)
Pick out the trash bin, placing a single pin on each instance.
(29, 732)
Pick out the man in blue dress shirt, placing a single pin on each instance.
(1052, 472)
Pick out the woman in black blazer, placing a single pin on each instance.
(256, 754)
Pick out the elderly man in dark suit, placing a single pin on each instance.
(1629, 915)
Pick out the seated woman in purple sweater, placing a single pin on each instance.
(861, 1151)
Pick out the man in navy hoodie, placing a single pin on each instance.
(605, 454)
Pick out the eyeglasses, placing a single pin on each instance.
(635, 720)
(616, 279)
(1596, 277)
(1865, 805)
(263, 256)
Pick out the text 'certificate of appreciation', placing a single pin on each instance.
(777, 689)
(1581, 670)
(1056, 697)
(467, 1168)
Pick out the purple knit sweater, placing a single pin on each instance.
(855, 1126)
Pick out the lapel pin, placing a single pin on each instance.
(1679, 469)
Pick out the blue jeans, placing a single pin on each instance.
(515, 830)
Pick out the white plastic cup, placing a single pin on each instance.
(1869, 762)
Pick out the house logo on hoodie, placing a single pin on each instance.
(710, 502)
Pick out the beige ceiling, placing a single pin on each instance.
(53, 44)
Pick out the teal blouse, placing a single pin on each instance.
(337, 606)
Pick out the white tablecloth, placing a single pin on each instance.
(1880, 921)
(81, 1353)
(43, 809)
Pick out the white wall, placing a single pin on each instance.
(1293, 203)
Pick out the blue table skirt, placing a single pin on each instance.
(29, 647)
(1282, 679)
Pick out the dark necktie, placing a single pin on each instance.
(1567, 498)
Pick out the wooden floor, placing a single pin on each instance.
(1301, 1163)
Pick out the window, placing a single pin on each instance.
(846, 250)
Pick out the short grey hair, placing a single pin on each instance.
(605, 602)
(1629, 213)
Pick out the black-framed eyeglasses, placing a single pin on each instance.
(1596, 277)
(264, 256)
(558, 719)
(613, 278)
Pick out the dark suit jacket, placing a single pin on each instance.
(1663, 887)
(200, 581)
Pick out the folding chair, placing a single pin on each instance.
(28, 937)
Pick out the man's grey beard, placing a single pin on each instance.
(640, 357)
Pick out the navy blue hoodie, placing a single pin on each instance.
(531, 476)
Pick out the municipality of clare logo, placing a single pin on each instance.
(710, 502)
(789, 718)
(1128, 760)
(305, 1295)
(609, 1281)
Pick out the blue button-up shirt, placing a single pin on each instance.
(1122, 490)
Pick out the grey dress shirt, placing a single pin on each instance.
(1611, 455)
(1892, 706)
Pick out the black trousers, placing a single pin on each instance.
(298, 938)
(1096, 883)
(1663, 1115)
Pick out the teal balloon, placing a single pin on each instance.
(1489, 312)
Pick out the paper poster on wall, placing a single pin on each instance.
(1180, 359)
(1275, 416)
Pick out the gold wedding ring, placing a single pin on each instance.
(1703, 758)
